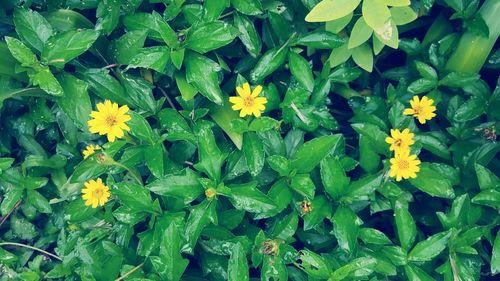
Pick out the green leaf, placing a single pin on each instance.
(224, 116)
(363, 57)
(414, 273)
(155, 159)
(459, 80)
(360, 33)
(312, 152)
(263, 124)
(335, 26)
(108, 14)
(489, 197)
(360, 263)
(405, 225)
(209, 154)
(38, 201)
(106, 86)
(237, 266)
(334, 177)
(183, 185)
(200, 216)
(76, 102)
(422, 85)
(369, 160)
(254, 153)
(201, 72)
(426, 70)
(65, 46)
(328, 10)
(433, 144)
(248, 7)
(153, 57)
(209, 36)
(486, 178)
(495, 256)
(301, 70)
(32, 28)
(140, 128)
(286, 227)
(433, 181)
(374, 135)
(373, 236)
(321, 39)
(375, 13)
(303, 184)
(313, 264)
(134, 196)
(21, 53)
(10, 199)
(247, 197)
(346, 228)
(321, 209)
(248, 34)
(474, 107)
(138, 91)
(403, 15)
(268, 63)
(188, 92)
(429, 248)
(170, 264)
(47, 82)
(214, 8)
(125, 48)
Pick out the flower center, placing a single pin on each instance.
(248, 101)
(403, 164)
(398, 142)
(97, 193)
(418, 110)
(111, 121)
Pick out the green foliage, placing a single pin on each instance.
(197, 193)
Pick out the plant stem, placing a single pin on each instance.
(136, 177)
(129, 272)
(473, 49)
(31, 248)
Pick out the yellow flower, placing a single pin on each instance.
(404, 165)
(109, 119)
(422, 109)
(89, 150)
(400, 140)
(95, 193)
(249, 101)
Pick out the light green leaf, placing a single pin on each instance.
(328, 10)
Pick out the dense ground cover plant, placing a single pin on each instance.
(249, 139)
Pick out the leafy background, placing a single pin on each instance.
(334, 90)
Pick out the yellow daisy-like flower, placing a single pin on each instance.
(109, 119)
(400, 140)
(89, 150)
(422, 109)
(96, 193)
(404, 165)
(248, 101)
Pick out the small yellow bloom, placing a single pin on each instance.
(249, 101)
(210, 193)
(422, 109)
(109, 119)
(400, 140)
(95, 193)
(404, 165)
(89, 150)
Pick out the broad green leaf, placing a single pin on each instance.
(337, 25)
(433, 144)
(254, 153)
(286, 227)
(155, 155)
(373, 236)
(320, 39)
(303, 184)
(301, 70)
(201, 72)
(106, 86)
(200, 216)
(489, 197)
(363, 57)
(268, 63)
(134, 196)
(422, 85)
(65, 46)
(387, 34)
(248, 34)
(11, 198)
(248, 7)
(32, 27)
(125, 48)
(312, 152)
(360, 263)
(153, 57)
(374, 134)
(38, 201)
(495, 255)
(188, 92)
(209, 154)
(209, 36)
(170, 264)
(223, 116)
(328, 10)
(369, 160)
(360, 33)
(21, 53)
(405, 225)
(429, 248)
(375, 13)
(76, 101)
(431, 180)
(321, 209)
(138, 91)
(346, 228)
(140, 128)
(334, 177)
(414, 273)
(247, 197)
(183, 185)
(108, 14)
(312, 264)
(339, 55)
(403, 15)
(214, 8)
(486, 178)
(237, 266)
(474, 107)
